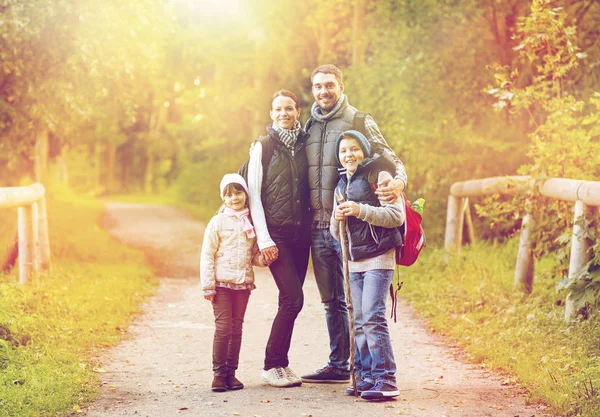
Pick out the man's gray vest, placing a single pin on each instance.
(322, 172)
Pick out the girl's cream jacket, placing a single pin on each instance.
(227, 255)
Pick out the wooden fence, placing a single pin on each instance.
(585, 194)
(33, 243)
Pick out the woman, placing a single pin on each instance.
(279, 205)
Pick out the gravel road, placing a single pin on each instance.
(163, 367)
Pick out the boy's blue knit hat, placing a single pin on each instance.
(360, 138)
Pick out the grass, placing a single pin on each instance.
(470, 299)
(53, 329)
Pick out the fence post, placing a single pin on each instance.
(468, 221)
(454, 223)
(525, 266)
(26, 253)
(44, 245)
(580, 252)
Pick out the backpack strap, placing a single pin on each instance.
(358, 123)
(308, 124)
(268, 147)
(394, 296)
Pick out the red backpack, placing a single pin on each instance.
(413, 237)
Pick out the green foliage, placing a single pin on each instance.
(470, 299)
(565, 142)
(53, 329)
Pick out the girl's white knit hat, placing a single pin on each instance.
(233, 179)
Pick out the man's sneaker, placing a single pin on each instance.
(381, 390)
(360, 387)
(292, 377)
(328, 375)
(276, 377)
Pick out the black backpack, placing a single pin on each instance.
(268, 146)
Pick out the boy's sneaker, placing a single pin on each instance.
(360, 387)
(292, 377)
(276, 377)
(381, 390)
(328, 375)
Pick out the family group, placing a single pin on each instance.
(301, 184)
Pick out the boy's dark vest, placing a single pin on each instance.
(366, 240)
(285, 186)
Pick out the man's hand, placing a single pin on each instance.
(346, 209)
(210, 298)
(389, 190)
(269, 254)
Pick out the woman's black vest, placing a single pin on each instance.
(285, 195)
(366, 240)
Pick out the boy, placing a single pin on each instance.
(372, 237)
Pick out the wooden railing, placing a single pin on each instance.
(33, 243)
(585, 194)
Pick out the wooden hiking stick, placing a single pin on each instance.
(342, 226)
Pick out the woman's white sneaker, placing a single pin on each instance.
(276, 377)
(292, 377)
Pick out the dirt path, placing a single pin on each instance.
(164, 367)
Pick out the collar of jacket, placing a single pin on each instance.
(302, 136)
(362, 165)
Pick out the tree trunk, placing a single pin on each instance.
(148, 174)
(97, 165)
(157, 121)
(112, 158)
(41, 155)
(62, 172)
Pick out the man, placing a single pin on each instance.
(331, 114)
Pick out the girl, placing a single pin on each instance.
(228, 252)
(372, 237)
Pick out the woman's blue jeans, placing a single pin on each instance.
(374, 358)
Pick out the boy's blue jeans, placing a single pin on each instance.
(327, 263)
(374, 358)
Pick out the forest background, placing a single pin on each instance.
(156, 99)
(164, 96)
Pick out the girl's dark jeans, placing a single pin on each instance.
(289, 271)
(229, 308)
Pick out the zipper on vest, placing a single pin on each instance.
(347, 231)
(323, 130)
